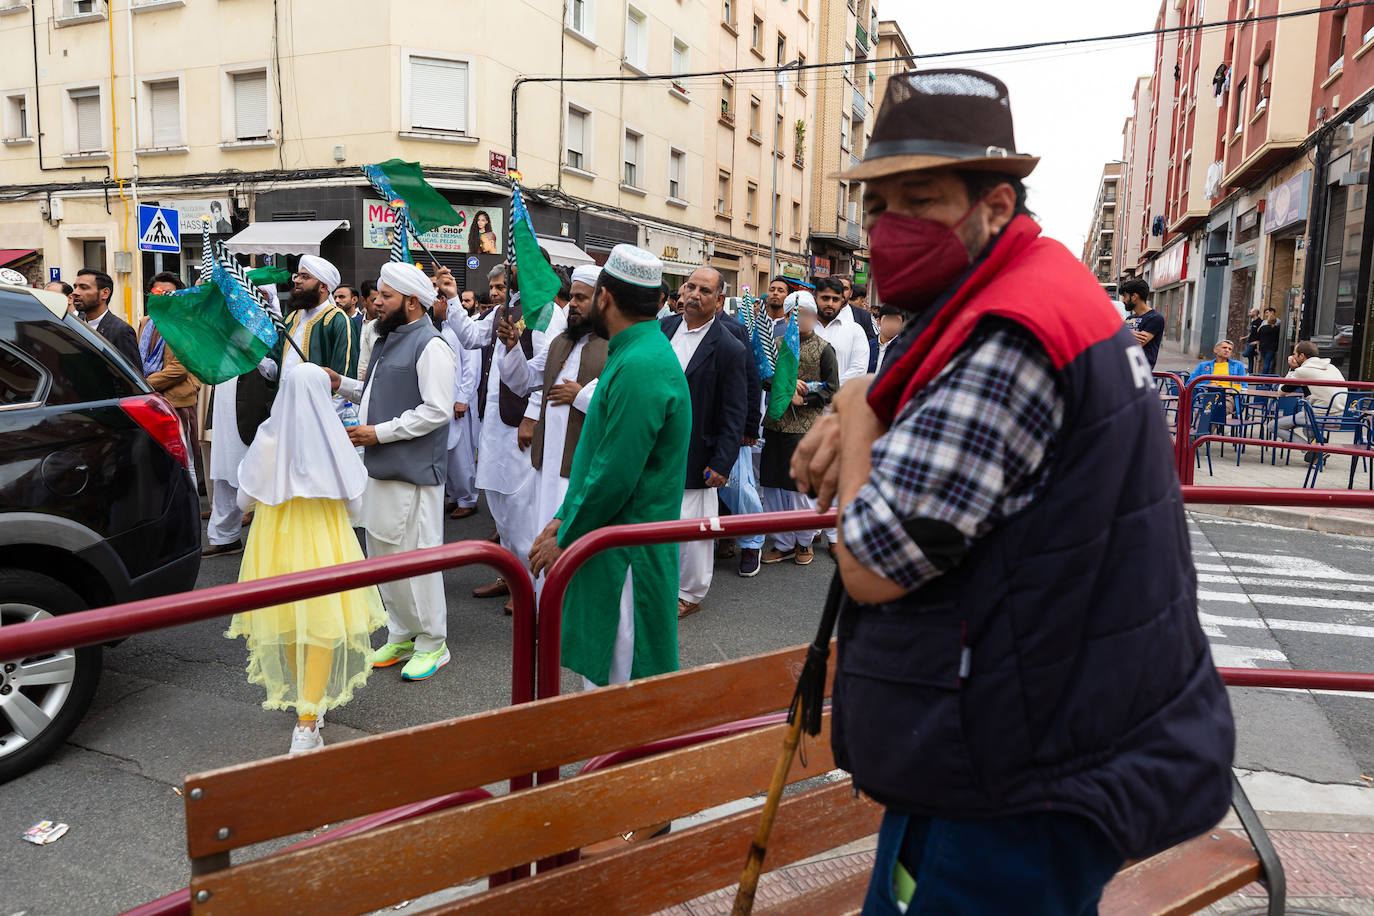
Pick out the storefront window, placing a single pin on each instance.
(1339, 295)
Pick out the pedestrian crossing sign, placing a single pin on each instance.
(159, 229)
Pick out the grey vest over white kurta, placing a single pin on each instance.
(394, 385)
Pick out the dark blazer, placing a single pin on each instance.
(122, 337)
(716, 378)
(755, 406)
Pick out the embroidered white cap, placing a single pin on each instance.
(635, 265)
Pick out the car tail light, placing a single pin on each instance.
(157, 417)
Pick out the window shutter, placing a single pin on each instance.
(438, 94)
(250, 105)
(165, 101)
(87, 104)
(577, 129)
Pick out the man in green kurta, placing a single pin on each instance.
(319, 327)
(620, 612)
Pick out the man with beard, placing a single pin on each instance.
(346, 298)
(618, 620)
(92, 294)
(1031, 712)
(714, 361)
(405, 406)
(504, 471)
(319, 327)
(461, 485)
(840, 329)
(566, 372)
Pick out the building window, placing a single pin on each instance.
(17, 116)
(801, 72)
(727, 101)
(1367, 24)
(677, 168)
(774, 214)
(777, 136)
(636, 39)
(756, 37)
(1262, 83)
(751, 203)
(755, 124)
(723, 192)
(1335, 55)
(439, 95)
(71, 9)
(796, 219)
(581, 15)
(164, 113)
(782, 49)
(680, 63)
(844, 133)
(248, 92)
(634, 159)
(93, 253)
(578, 153)
(1238, 115)
(86, 120)
(727, 13)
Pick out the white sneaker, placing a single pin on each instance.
(304, 738)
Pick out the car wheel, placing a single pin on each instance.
(43, 697)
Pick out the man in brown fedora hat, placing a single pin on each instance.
(1031, 711)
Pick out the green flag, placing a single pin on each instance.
(785, 369)
(425, 206)
(269, 276)
(211, 341)
(535, 276)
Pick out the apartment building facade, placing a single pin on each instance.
(1268, 132)
(108, 105)
(1100, 248)
(845, 107)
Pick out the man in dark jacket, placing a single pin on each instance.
(92, 293)
(1031, 713)
(714, 362)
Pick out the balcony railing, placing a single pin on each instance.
(851, 231)
(860, 40)
(854, 159)
(860, 105)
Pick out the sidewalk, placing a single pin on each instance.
(1289, 472)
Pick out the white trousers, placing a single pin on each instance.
(462, 474)
(776, 499)
(226, 518)
(696, 559)
(623, 652)
(515, 515)
(415, 607)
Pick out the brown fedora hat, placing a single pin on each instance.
(932, 119)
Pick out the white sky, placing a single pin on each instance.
(1068, 104)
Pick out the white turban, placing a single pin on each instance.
(408, 280)
(586, 273)
(801, 299)
(321, 270)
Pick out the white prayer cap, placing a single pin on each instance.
(635, 265)
(408, 280)
(586, 273)
(321, 270)
(801, 299)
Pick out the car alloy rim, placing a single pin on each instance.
(32, 691)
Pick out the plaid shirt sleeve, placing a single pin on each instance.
(968, 451)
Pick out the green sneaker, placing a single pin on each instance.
(425, 664)
(391, 653)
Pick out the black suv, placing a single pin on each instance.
(96, 506)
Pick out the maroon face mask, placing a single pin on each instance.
(915, 259)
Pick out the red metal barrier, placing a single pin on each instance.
(1184, 449)
(122, 620)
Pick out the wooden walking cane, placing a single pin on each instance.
(804, 713)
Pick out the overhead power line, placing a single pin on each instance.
(796, 67)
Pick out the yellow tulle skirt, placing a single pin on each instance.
(309, 655)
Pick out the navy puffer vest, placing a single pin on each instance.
(1061, 666)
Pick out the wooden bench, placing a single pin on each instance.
(235, 807)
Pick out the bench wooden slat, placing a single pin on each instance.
(267, 799)
(647, 877)
(447, 848)
(1183, 879)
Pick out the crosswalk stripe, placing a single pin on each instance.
(1358, 588)
(1296, 626)
(1336, 604)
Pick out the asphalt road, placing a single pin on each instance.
(177, 702)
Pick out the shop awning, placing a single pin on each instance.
(288, 237)
(10, 255)
(679, 268)
(564, 253)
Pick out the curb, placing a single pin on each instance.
(1292, 518)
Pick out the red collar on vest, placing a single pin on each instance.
(1033, 281)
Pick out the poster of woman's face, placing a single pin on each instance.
(477, 231)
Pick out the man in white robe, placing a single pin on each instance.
(405, 406)
(504, 472)
(461, 488)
